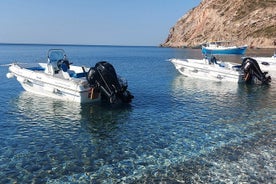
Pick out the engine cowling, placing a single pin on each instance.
(252, 70)
(113, 89)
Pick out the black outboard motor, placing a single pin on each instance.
(252, 69)
(113, 89)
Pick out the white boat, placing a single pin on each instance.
(267, 63)
(222, 48)
(60, 79)
(211, 69)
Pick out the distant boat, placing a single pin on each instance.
(267, 64)
(267, 60)
(222, 47)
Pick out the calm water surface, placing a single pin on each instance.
(177, 129)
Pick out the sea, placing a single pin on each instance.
(176, 130)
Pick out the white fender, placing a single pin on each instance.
(10, 75)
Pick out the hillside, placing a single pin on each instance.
(251, 22)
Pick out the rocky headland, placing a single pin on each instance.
(251, 22)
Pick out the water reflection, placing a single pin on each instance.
(39, 108)
(241, 96)
(98, 120)
(219, 96)
(102, 120)
(181, 83)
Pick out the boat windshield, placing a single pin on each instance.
(56, 55)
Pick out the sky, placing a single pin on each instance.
(90, 22)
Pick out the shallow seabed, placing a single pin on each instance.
(176, 130)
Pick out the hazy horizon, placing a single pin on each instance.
(105, 22)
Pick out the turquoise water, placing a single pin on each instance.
(176, 130)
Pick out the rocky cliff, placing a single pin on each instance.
(251, 22)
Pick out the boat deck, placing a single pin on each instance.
(70, 74)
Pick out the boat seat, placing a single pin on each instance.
(77, 75)
(65, 75)
(36, 68)
(236, 67)
(50, 69)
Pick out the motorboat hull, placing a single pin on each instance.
(203, 70)
(54, 86)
